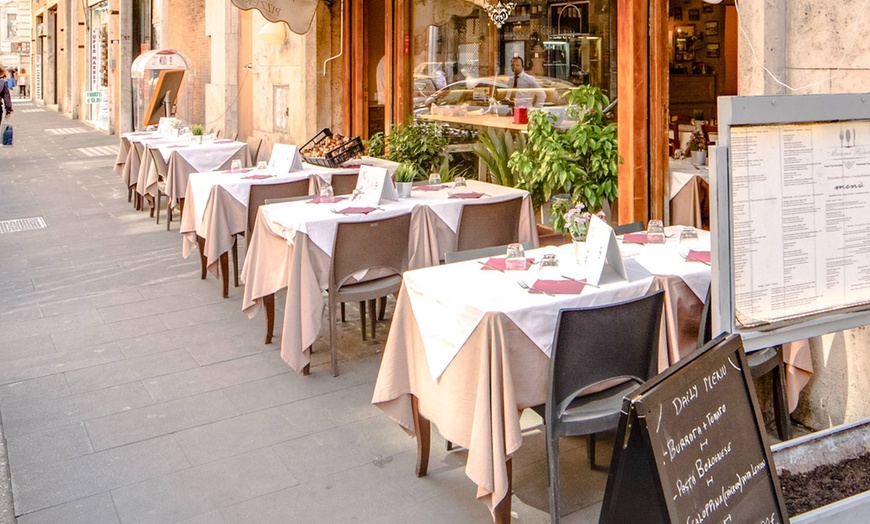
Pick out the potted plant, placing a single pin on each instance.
(581, 161)
(405, 175)
(495, 147)
(697, 146)
(575, 220)
(420, 143)
(197, 130)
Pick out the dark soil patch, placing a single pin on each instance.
(825, 484)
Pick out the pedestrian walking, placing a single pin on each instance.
(6, 110)
(22, 83)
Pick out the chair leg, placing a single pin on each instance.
(225, 277)
(200, 242)
(269, 305)
(155, 208)
(780, 405)
(373, 315)
(168, 212)
(590, 449)
(383, 308)
(553, 469)
(342, 312)
(449, 446)
(362, 317)
(424, 435)
(235, 252)
(333, 339)
(129, 194)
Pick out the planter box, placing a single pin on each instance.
(830, 446)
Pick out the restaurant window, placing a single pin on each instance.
(97, 96)
(457, 49)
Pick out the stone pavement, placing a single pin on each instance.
(130, 391)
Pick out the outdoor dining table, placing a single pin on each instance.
(127, 163)
(217, 205)
(292, 244)
(468, 348)
(185, 157)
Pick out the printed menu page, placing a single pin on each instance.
(801, 227)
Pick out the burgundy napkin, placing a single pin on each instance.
(357, 210)
(257, 177)
(558, 287)
(466, 195)
(698, 256)
(634, 238)
(176, 146)
(326, 200)
(499, 263)
(425, 187)
(223, 141)
(243, 170)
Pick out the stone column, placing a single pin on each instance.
(765, 25)
(222, 25)
(119, 81)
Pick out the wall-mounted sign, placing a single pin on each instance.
(297, 14)
(93, 97)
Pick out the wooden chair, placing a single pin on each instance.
(162, 175)
(490, 224)
(353, 253)
(593, 346)
(711, 133)
(254, 148)
(344, 184)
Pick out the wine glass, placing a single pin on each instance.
(655, 232)
(262, 165)
(236, 165)
(516, 257)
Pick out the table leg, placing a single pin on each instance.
(422, 428)
(200, 242)
(180, 208)
(225, 278)
(502, 512)
(269, 304)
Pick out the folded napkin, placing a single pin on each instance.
(177, 146)
(357, 210)
(466, 195)
(426, 187)
(634, 238)
(698, 256)
(499, 263)
(558, 287)
(244, 170)
(325, 200)
(257, 177)
(223, 141)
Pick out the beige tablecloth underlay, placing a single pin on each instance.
(690, 205)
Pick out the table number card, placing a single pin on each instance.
(166, 125)
(285, 159)
(602, 251)
(375, 186)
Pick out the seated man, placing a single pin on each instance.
(523, 88)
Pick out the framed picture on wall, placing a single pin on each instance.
(712, 50)
(678, 14)
(706, 8)
(694, 15)
(682, 49)
(711, 28)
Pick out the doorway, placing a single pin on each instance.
(368, 93)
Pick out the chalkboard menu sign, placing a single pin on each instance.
(691, 447)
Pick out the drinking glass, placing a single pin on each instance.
(459, 182)
(435, 179)
(326, 193)
(262, 165)
(689, 237)
(236, 165)
(516, 257)
(655, 232)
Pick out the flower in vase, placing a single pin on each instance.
(577, 221)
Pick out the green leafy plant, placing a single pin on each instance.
(377, 145)
(197, 130)
(581, 161)
(697, 114)
(448, 172)
(495, 148)
(407, 172)
(421, 143)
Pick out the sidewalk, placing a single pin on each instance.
(130, 391)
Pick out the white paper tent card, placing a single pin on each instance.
(375, 186)
(285, 158)
(602, 251)
(166, 125)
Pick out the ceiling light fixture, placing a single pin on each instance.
(499, 12)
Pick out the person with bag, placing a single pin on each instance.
(6, 110)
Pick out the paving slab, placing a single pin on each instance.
(99, 509)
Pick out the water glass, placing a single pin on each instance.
(655, 232)
(435, 179)
(236, 165)
(326, 193)
(262, 165)
(689, 237)
(516, 257)
(459, 182)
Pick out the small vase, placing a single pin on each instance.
(403, 189)
(699, 157)
(580, 252)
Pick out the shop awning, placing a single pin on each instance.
(297, 14)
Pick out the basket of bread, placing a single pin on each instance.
(331, 150)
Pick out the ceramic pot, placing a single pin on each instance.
(699, 157)
(580, 252)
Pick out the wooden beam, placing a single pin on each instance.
(632, 111)
(658, 103)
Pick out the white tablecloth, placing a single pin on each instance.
(682, 171)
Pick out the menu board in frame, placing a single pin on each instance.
(165, 92)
